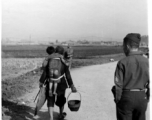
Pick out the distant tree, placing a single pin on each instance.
(83, 42)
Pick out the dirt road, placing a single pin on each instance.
(94, 83)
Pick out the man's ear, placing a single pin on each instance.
(128, 47)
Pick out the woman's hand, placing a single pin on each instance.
(73, 89)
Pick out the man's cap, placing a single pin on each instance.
(133, 38)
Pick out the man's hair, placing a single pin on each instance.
(132, 39)
(60, 50)
(50, 50)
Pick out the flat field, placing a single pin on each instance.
(18, 61)
(38, 51)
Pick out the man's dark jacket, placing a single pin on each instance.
(132, 72)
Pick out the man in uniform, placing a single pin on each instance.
(132, 81)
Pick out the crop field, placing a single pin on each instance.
(17, 60)
(38, 51)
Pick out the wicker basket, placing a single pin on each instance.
(74, 105)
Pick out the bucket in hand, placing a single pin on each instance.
(74, 105)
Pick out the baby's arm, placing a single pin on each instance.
(64, 61)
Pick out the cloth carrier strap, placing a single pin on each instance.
(56, 79)
(56, 58)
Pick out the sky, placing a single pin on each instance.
(73, 19)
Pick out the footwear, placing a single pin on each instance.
(61, 117)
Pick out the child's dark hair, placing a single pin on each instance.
(60, 50)
(50, 50)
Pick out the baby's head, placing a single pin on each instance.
(50, 50)
(60, 50)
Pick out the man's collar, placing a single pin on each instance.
(135, 53)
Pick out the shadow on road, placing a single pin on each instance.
(14, 111)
